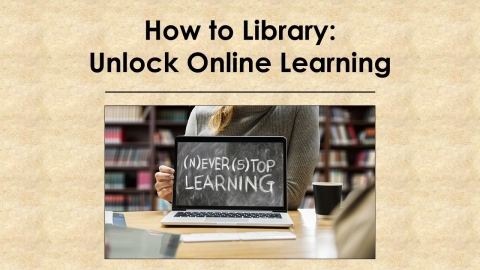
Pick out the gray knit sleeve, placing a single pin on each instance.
(303, 153)
(191, 129)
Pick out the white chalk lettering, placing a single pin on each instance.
(268, 183)
(258, 179)
(185, 162)
(225, 162)
(253, 163)
(272, 162)
(211, 161)
(233, 183)
(240, 165)
(230, 182)
(233, 164)
(204, 163)
(197, 182)
(258, 166)
(252, 184)
(186, 183)
(217, 163)
(208, 183)
(221, 184)
(192, 162)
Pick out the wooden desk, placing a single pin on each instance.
(315, 238)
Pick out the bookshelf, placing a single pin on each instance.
(347, 148)
(137, 140)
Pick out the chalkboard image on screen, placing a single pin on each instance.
(230, 174)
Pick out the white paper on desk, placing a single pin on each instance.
(109, 217)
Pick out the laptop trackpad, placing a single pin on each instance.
(226, 220)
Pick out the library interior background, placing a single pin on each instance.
(138, 139)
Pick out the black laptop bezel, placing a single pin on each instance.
(270, 139)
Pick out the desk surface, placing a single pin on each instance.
(315, 238)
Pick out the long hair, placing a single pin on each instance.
(221, 118)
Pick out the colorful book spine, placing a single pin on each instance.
(321, 114)
(114, 135)
(163, 137)
(338, 158)
(335, 136)
(163, 158)
(173, 115)
(144, 181)
(367, 136)
(115, 202)
(366, 158)
(114, 180)
(338, 176)
(138, 202)
(361, 180)
(115, 114)
(353, 135)
(127, 157)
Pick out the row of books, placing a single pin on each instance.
(139, 202)
(366, 158)
(163, 158)
(317, 177)
(114, 180)
(370, 115)
(163, 137)
(367, 136)
(361, 180)
(125, 114)
(338, 114)
(114, 135)
(357, 179)
(321, 131)
(122, 203)
(321, 159)
(345, 135)
(338, 158)
(135, 157)
(174, 115)
(321, 114)
(342, 135)
(338, 176)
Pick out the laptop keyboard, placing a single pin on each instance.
(229, 215)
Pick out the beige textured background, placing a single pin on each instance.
(428, 118)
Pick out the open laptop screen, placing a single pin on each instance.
(230, 173)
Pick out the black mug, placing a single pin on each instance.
(327, 196)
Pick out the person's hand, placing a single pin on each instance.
(164, 183)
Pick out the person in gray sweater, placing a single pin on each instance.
(298, 124)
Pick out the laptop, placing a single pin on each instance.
(230, 181)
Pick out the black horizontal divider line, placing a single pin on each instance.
(240, 92)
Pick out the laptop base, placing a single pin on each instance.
(170, 219)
